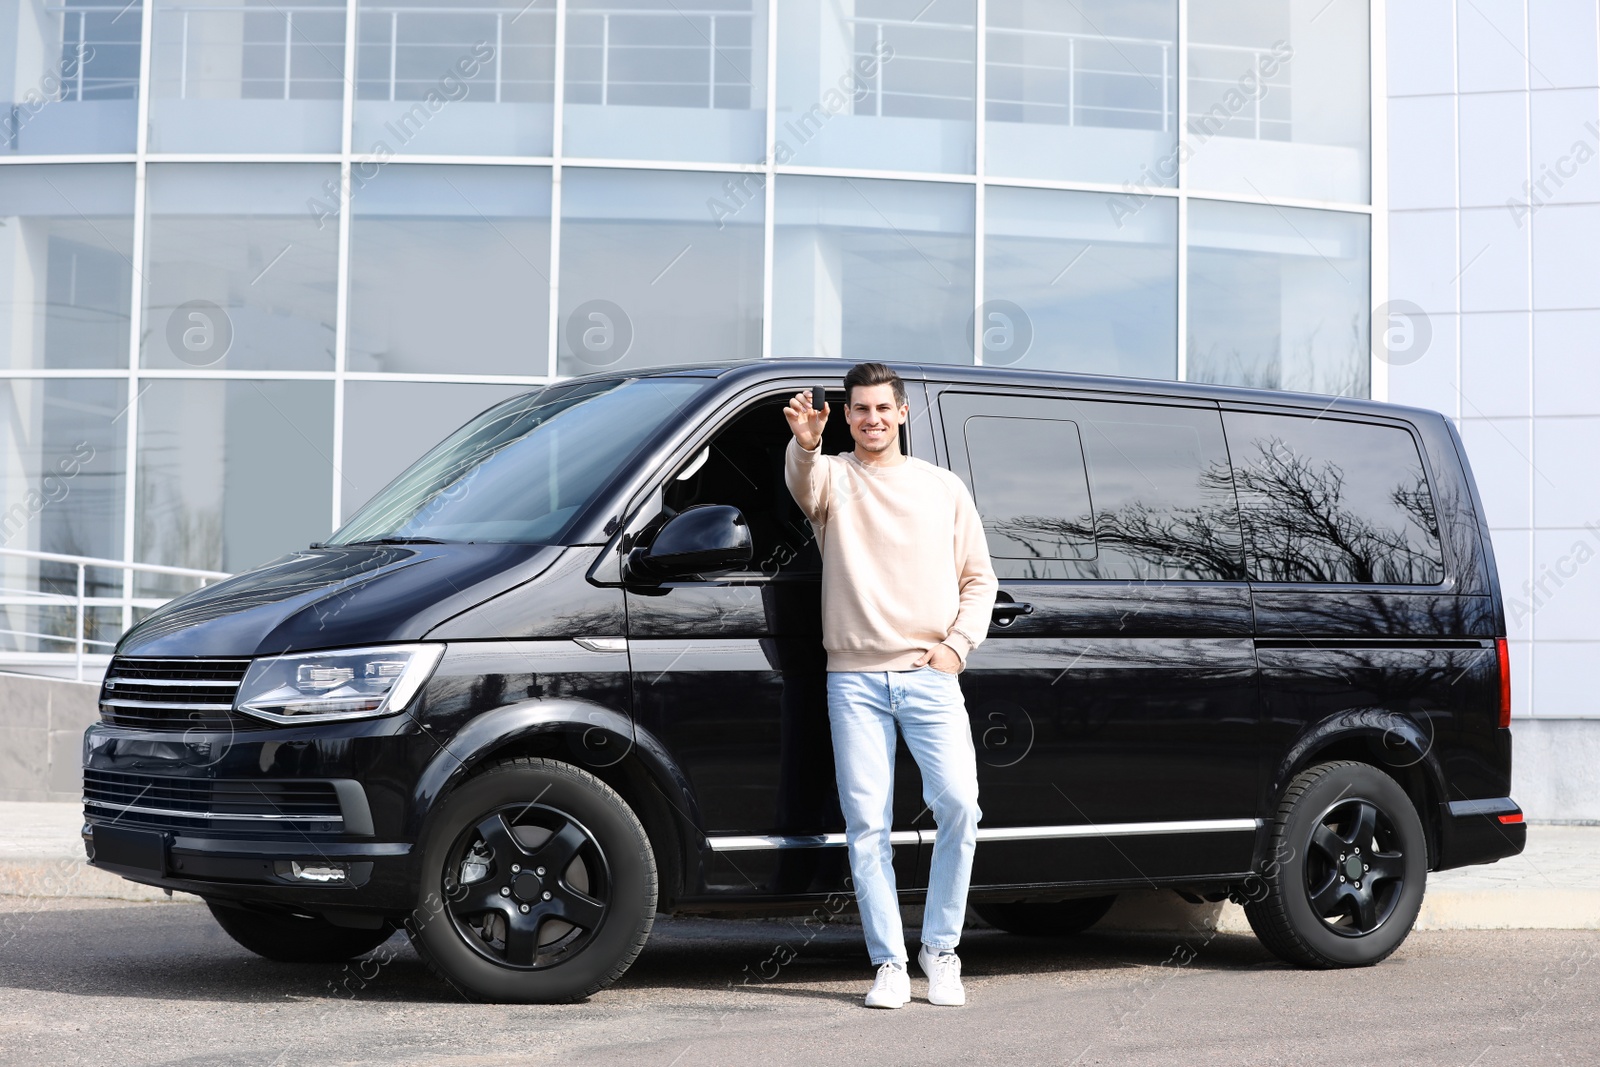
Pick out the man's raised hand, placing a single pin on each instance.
(805, 421)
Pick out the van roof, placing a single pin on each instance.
(830, 371)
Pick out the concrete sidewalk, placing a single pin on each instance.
(1555, 884)
(41, 855)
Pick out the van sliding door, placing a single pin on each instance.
(1116, 722)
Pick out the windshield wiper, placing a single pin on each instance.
(400, 541)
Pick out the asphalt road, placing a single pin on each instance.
(101, 982)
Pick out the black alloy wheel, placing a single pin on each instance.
(527, 886)
(1356, 873)
(538, 885)
(1345, 871)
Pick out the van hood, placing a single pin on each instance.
(335, 597)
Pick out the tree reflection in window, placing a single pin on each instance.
(1325, 500)
(1137, 500)
(1152, 494)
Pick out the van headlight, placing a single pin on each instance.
(357, 683)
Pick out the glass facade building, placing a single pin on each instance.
(256, 257)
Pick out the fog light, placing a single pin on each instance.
(319, 871)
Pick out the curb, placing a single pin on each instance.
(1518, 909)
(1443, 908)
(66, 878)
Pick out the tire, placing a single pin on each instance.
(538, 885)
(1346, 868)
(1054, 919)
(291, 938)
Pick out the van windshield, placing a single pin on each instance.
(525, 469)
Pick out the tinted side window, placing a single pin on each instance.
(1163, 494)
(1093, 489)
(1027, 516)
(1324, 500)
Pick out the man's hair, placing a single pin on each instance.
(874, 374)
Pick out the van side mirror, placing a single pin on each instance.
(705, 539)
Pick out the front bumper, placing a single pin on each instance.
(252, 815)
(377, 874)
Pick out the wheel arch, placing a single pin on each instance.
(592, 738)
(1393, 742)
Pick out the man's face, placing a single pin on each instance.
(874, 417)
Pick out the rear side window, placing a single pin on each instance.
(1083, 489)
(1032, 517)
(1325, 500)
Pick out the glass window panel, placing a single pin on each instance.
(474, 79)
(1278, 298)
(70, 76)
(62, 477)
(872, 269)
(1325, 500)
(1086, 91)
(1081, 282)
(389, 425)
(247, 76)
(526, 470)
(240, 262)
(1159, 503)
(880, 84)
(66, 268)
(657, 79)
(1164, 505)
(449, 270)
(1026, 516)
(1278, 98)
(658, 267)
(231, 473)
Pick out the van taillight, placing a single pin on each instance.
(1504, 655)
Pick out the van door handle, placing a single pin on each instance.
(1006, 611)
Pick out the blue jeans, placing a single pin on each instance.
(863, 709)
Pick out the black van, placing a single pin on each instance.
(566, 672)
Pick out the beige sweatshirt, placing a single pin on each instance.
(905, 564)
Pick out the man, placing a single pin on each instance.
(907, 590)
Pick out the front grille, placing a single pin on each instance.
(175, 694)
(232, 805)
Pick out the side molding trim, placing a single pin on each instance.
(751, 843)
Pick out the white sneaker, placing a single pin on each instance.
(944, 977)
(892, 988)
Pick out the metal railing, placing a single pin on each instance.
(393, 42)
(1068, 79)
(81, 603)
(891, 97)
(702, 58)
(89, 50)
(1239, 61)
(1143, 83)
(268, 38)
(615, 56)
(696, 73)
